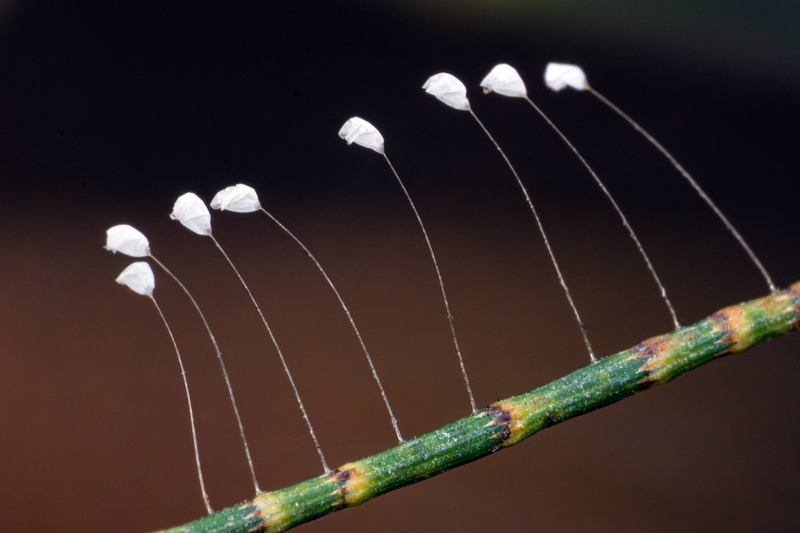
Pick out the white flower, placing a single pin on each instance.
(504, 79)
(448, 89)
(359, 131)
(138, 277)
(238, 198)
(190, 211)
(127, 240)
(560, 75)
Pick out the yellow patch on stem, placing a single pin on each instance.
(512, 416)
(734, 323)
(354, 482)
(267, 507)
(740, 325)
(655, 352)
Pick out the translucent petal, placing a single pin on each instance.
(504, 79)
(127, 240)
(139, 278)
(190, 211)
(238, 198)
(560, 75)
(359, 131)
(448, 89)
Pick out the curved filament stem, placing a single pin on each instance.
(693, 183)
(280, 354)
(441, 284)
(349, 317)
(618, 210)
(189, 401)
(222, 365)
(544, 237)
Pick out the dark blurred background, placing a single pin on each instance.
(109, 111)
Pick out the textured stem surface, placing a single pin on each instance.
(507, 422)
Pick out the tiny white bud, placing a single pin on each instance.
(449, 90)
(238, 198)
(560, 75)
(127, 240)
(505, 80)
(190, 211)
(359, 131)
(139, 278)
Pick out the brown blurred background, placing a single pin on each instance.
(109, 112)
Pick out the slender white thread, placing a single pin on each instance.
(544, 237)
(189, 401)
(280, 354)
(221, 364)
(349, 317)
(618, 210)
(693, 183)
(441, 284)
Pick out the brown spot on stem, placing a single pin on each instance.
(655, 352)
(352, 481)
(733, 323)
(267, 507)
(737, 324)
(509, 417)
(498, 414)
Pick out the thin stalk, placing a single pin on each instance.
(280, 354)
(441, 284)
(618, 210)
(191, 411)
(544, 237)
(349, 317)
(692, 182)
(221, 364)
(507, 422)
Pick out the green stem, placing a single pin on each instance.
(507, 422)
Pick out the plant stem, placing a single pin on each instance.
(507, 422)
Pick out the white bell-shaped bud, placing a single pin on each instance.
(560, 75)
(448, 89)
(127, 240)
(359, 131)
(139, 278)
(504, 79)
(190, 211)
(238, 198)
